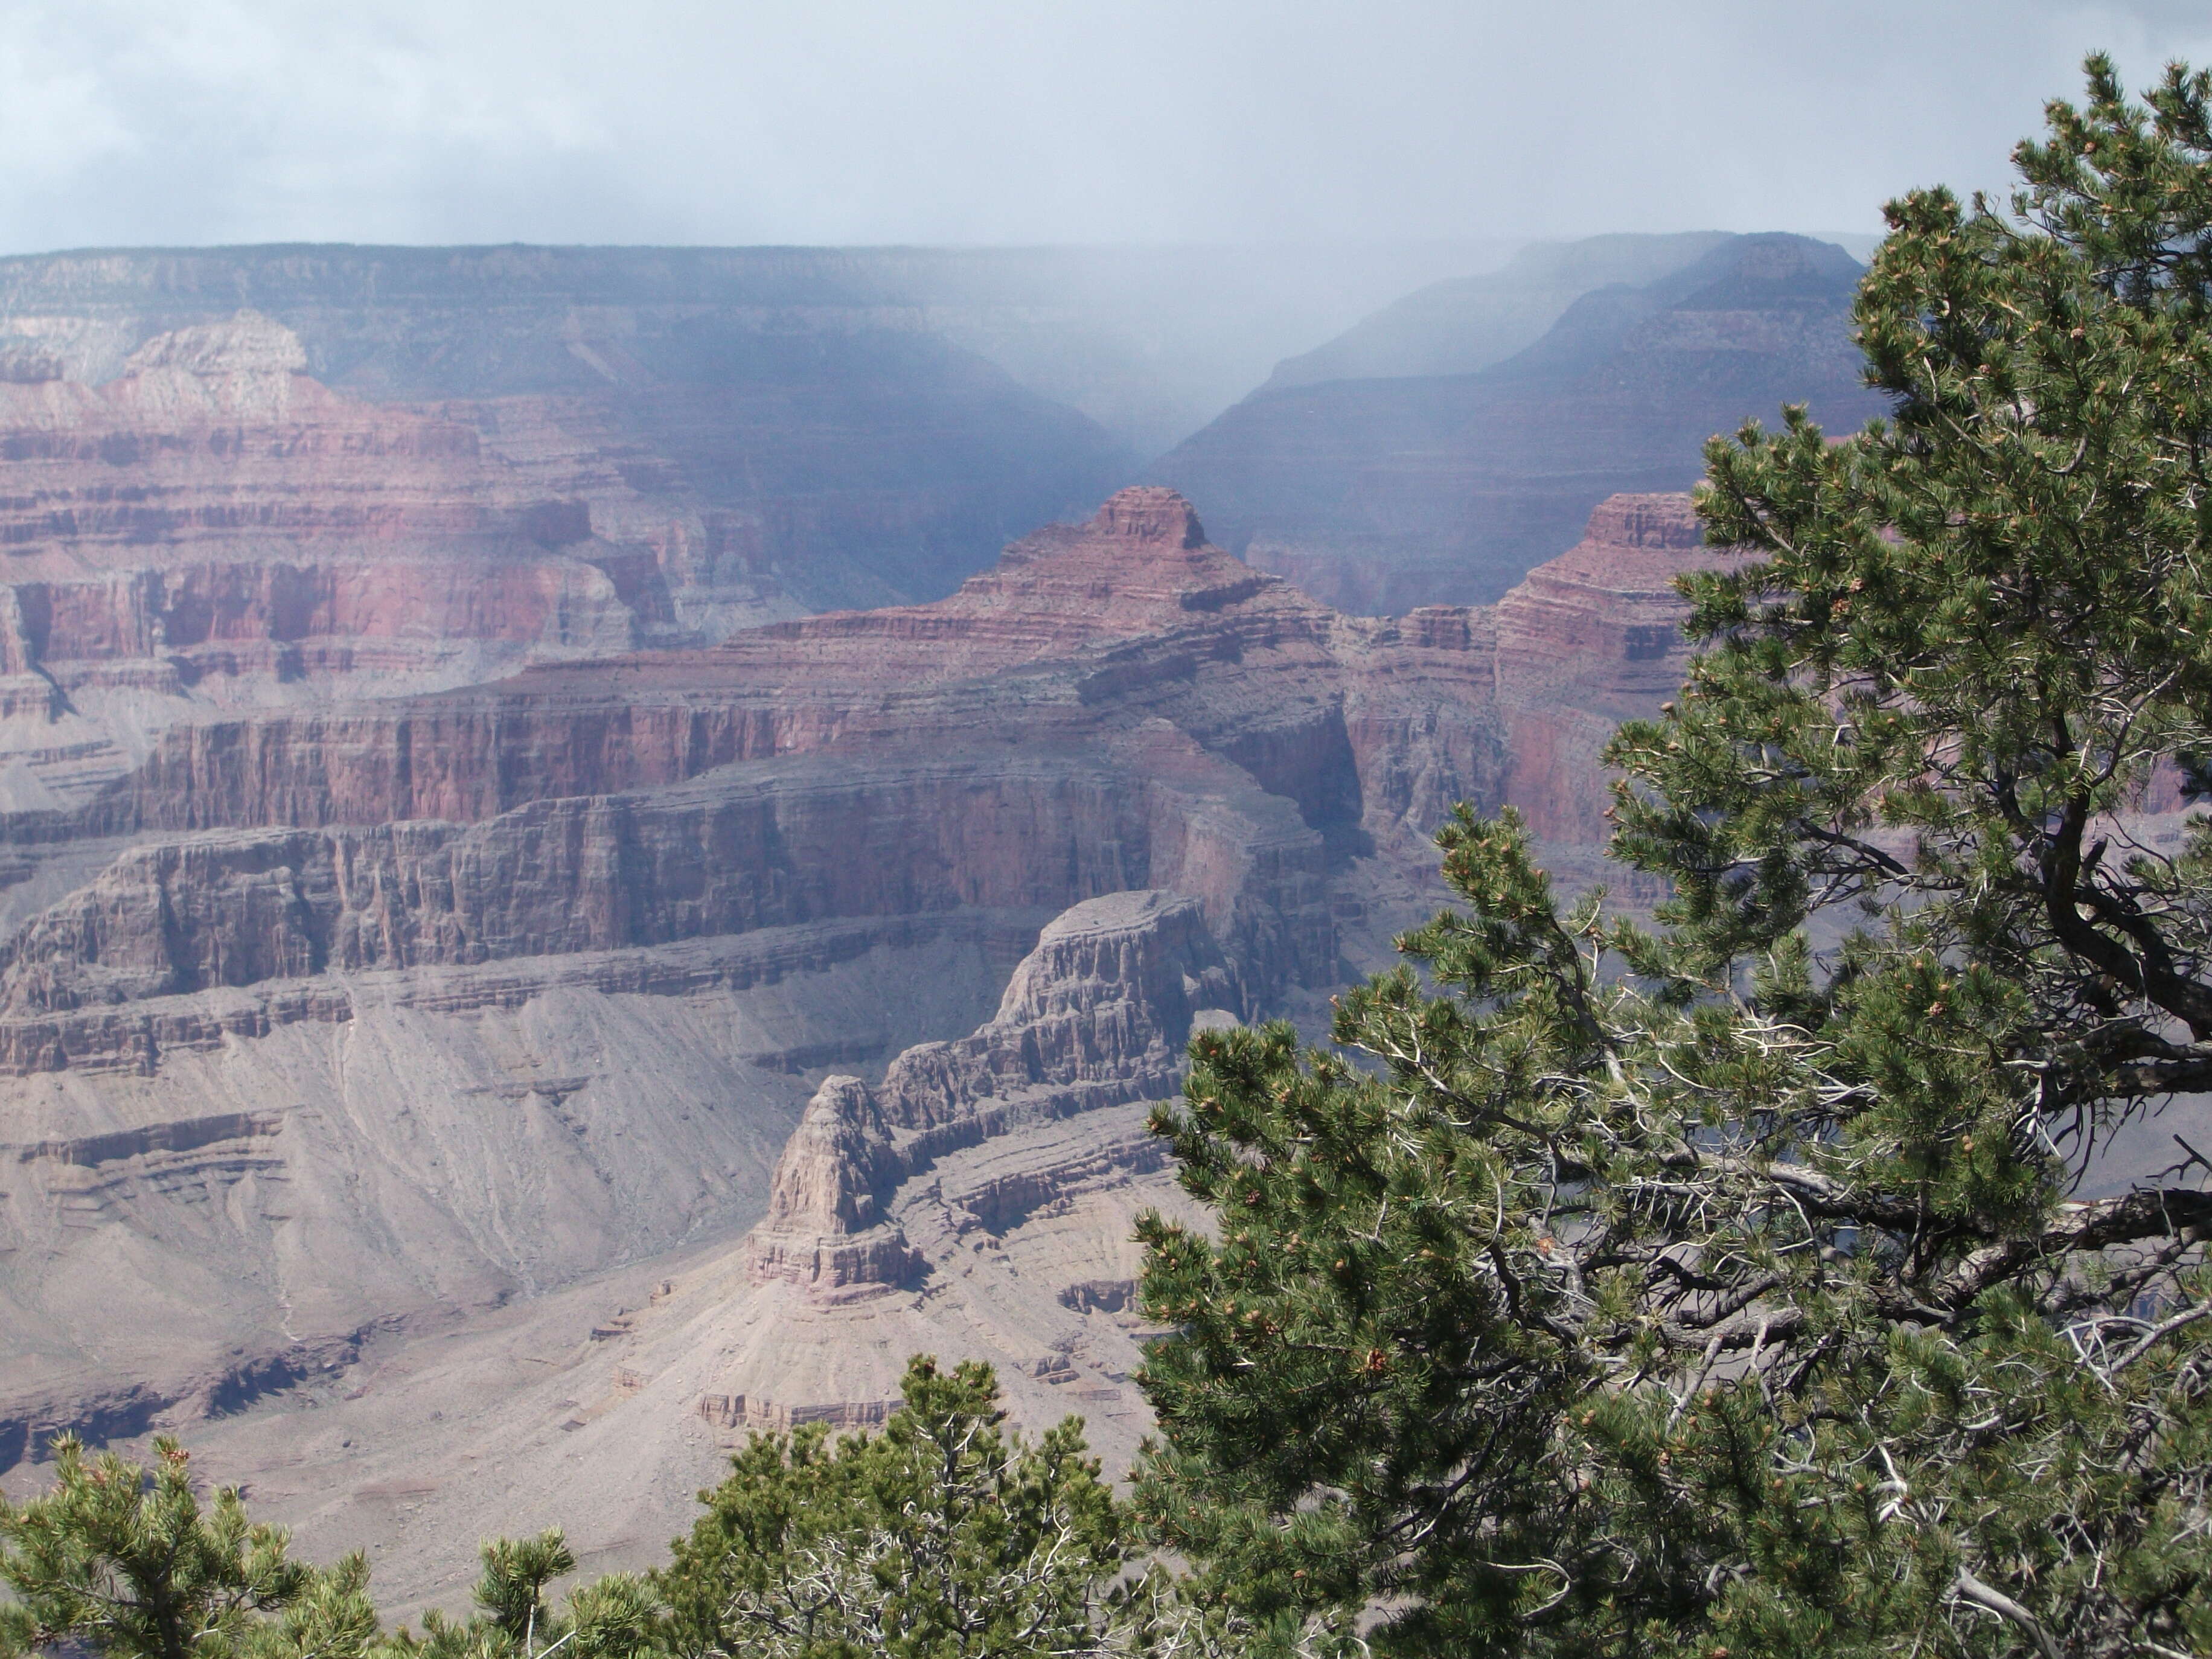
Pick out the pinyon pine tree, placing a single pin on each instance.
(945, 1536)
(122, 1559)
(1728, 1287)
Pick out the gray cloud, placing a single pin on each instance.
(990, 121)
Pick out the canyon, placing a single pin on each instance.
(725, 1021)
(238, 477)
(1463, 324)
(840, 426)
(576, 881)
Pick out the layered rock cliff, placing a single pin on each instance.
(213, 528)
(1586, 641)
(931, 1212)
(976, 1201)
(342, 1020)
(774, 420)
(1117, 705)
(444, 876)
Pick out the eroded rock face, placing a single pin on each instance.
(1095, 1016)
(976, 1202)
(1035, 1116)
(1117, 705)
(1150, 344)
(215, 527)
(807, 421)
(473, 993)
(214, 442)
(1587, 641)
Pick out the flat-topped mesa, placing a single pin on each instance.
(1144, 543)
(1140, 565)
(1659, 522)
(1095, 1016)
(1604, 619)
(248, 366)
(1586, 641)
(1151, 513)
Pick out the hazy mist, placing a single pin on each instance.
(1015, 121)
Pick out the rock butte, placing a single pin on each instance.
(323, 1028)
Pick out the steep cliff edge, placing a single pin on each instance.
(931, 1212)
(1465, 323)
(1117, 704)
(1148, 342)
(1586, 641)
(215, 528)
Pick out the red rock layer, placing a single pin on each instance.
(1586, 641)
(215, 505)
(214, 439)
(1117, 705)
(1227, 783)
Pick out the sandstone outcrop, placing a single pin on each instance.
(214, 528)
(1586, 641)
(993, 1146)
(1117, 705)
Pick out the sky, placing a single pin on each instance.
(998, 122)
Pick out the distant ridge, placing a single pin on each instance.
(1465, 323)
(1380, 493)
(1151, 343)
